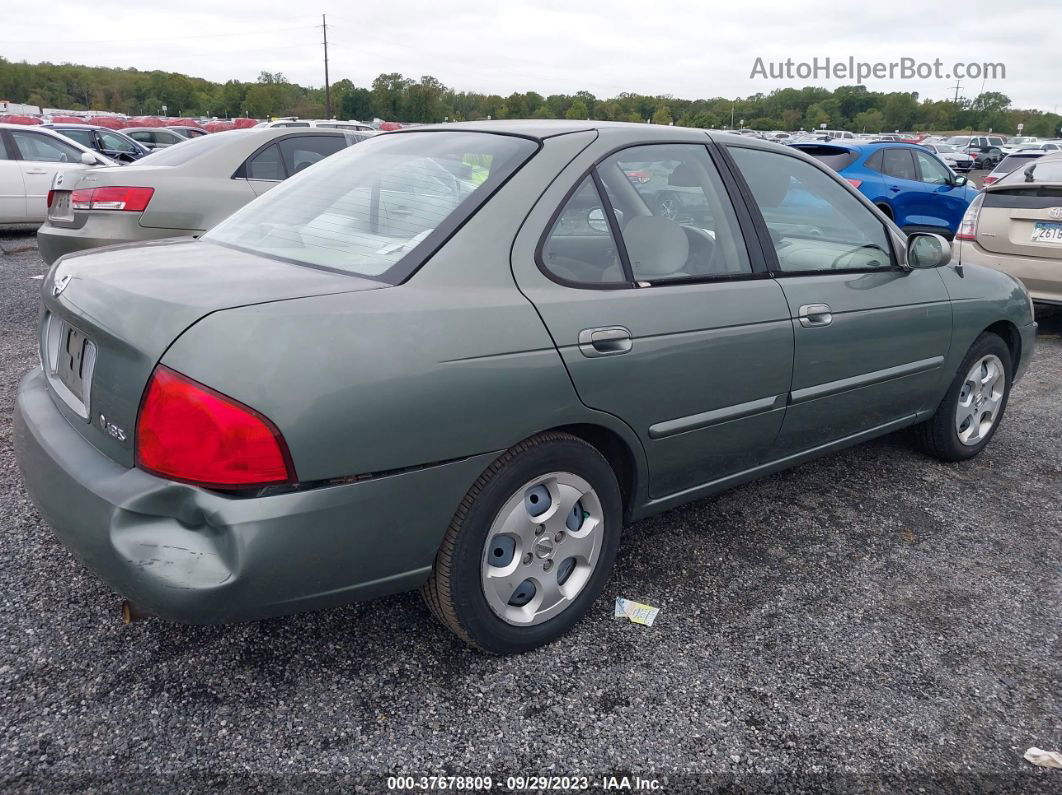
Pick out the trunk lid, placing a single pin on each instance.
(110, 314)
(1020, 219)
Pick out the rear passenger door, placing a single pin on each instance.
(870, 336)
(662, 314)
(902, 186)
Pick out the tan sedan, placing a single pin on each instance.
(1015, 226)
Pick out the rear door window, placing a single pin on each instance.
(899, 163)
(266, 165)
(302, 151)
(674, 213)
(580, 248)
(83, 137)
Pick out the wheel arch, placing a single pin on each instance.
(885, 208)
(1011, 336)
(619, 454)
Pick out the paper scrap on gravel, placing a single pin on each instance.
(636, 612)
(1043, 758)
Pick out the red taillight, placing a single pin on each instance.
(51, 197)
(989, 180)
(855, 183)
(187, 431)
(968, 224)
(134, 200)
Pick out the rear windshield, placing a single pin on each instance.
(187, 150)
(835, 157)
(958, 140)
(380, 208)
(1012, 162)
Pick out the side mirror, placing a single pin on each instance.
(595, 219)
(958, 180)
(926, 250)
(89, 159)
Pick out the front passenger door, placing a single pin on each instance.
(870, 337)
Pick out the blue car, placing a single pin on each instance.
(909, 183)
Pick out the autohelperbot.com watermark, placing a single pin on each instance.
(851, 69)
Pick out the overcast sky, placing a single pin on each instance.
(686, 48)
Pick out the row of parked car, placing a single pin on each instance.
(188, 188)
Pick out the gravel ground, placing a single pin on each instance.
(873, 621)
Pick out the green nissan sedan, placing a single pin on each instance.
(461, 358)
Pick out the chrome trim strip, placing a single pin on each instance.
(694, 422)
(866, 379)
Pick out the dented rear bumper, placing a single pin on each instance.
(187, 554)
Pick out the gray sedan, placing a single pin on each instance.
(461, 358)
(181, 190)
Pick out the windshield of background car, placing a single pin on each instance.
(380, 208)
(958, 140)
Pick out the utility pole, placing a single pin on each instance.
(957, 86)
(328, 90)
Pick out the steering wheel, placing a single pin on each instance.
(703, 247)
(835, 265)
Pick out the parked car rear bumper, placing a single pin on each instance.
(192, 555)
(1041, 276)
(97, 230)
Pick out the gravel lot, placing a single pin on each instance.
(874, 621)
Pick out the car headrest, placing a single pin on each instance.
(684, 176)
(656, 246)
(770, 186)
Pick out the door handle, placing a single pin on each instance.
(605, 341)
(36, 172)
(815, 315)
(894, 188)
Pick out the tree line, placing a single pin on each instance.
(394, 97)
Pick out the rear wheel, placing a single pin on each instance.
(530, 547)
(969, 415)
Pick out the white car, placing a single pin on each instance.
(952, 155)
(30, 158)
(332, 124)
(1041, 146)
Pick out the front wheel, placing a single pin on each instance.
(530, 547)
(969, 415)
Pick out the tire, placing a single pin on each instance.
(457, 590)
(946, 435)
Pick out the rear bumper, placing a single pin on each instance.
(99, 229)
(1042, 277)
(191, 555)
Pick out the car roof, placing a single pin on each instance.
(72, 125)
(541, 129)
(858, 146)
